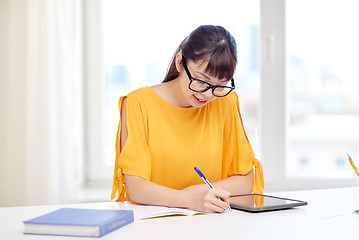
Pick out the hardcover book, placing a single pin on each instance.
(79, 222)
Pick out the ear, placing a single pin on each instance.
(178, 62)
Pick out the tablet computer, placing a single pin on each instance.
(260, 203)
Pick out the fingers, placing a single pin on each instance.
(210, 207)
(204, 199)
(217, 200)
(222, 194)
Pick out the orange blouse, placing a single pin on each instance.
(166, 142)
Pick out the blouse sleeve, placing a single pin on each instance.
(243, 157)
(134, 158)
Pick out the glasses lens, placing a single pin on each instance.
(221, 91)
(199, 86)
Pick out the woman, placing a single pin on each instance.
(191, 119)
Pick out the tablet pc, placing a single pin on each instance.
(260, 203)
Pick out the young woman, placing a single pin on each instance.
(191, 119)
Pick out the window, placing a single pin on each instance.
(304, 128)
(323, 87)
(296, 78)
(138, 45)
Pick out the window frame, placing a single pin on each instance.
(95, 172)
(274, 109)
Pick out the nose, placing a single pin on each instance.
(208, 94)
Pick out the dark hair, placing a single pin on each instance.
(212, 42)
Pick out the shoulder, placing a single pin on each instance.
(139, 93)
(228, 102)
(139, 96)
(232, 97)
(136, 97)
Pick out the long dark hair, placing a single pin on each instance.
(212, 42)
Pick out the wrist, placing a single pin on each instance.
(186, 199)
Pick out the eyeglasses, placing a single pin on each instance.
(200, 86)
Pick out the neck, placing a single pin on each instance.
(175, 95)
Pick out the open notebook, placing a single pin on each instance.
(148, 212)
(142, 212)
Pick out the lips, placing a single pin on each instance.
(200, 101)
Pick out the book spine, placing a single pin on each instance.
(116, 223)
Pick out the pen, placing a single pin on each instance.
(353, 165)
(207, 182)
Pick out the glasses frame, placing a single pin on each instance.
(210, 86)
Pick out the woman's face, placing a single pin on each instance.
(197, 71)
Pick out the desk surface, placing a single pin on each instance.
(304, 222)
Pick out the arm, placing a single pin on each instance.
(237, 184)
(146, 192)
(202, 199)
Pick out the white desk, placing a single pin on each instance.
(299, 223)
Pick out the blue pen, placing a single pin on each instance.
(206, 181)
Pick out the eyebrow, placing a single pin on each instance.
(207, 77)
(204, 75)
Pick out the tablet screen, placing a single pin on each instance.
(259, 202)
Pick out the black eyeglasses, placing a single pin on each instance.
(200, 86)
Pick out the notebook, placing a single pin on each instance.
(149, 212)
(79, 222)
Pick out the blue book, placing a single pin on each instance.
(79, 222)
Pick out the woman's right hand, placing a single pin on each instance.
(204, 199)
(197, 197)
